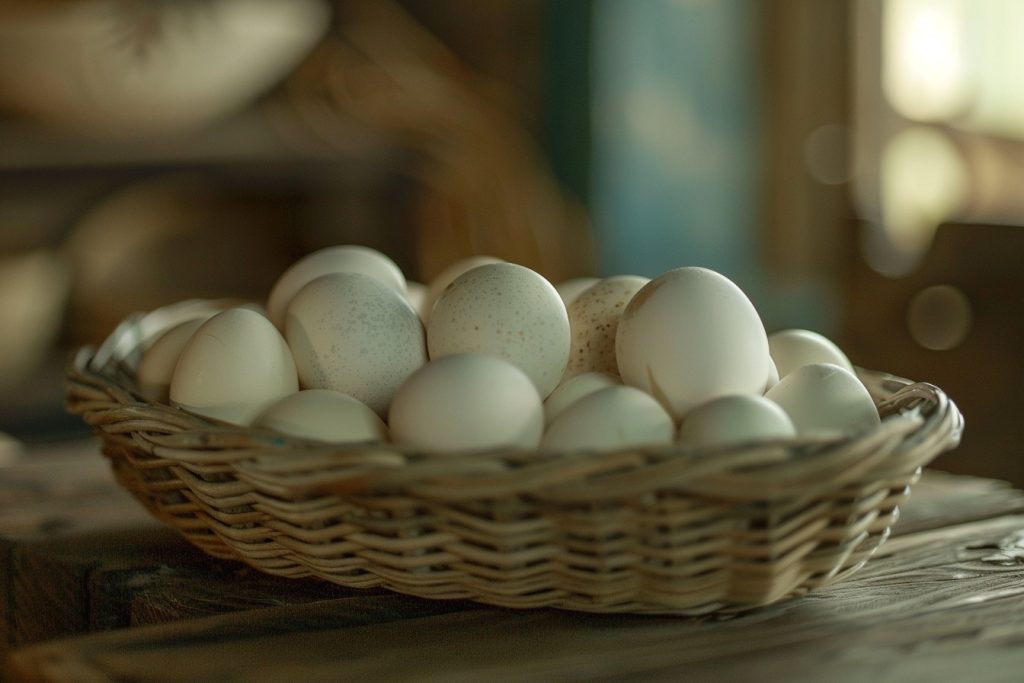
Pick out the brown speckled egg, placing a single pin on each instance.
(352, 334)
(508, 311)
(593, 321)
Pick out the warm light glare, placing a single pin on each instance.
(924, 183)
(924, 70)
(997, 66)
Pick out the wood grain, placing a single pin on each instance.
(940, 499)
(943, 601)
(79, 554)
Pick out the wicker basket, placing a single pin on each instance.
(654, 530)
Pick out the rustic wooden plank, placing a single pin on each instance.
(940, 499)
(77, 554)
(954, 594)
(175, 594)
(52, 492)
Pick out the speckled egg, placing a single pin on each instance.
(352, 334)
(594, 320)
(575, 388)
(441, 281)
(347, 258)
(570, 289)
(508, 311)
(609, 419)
(825, 400)
(735, 419)
(466, 402)
(691, 335)
(791, 349)
(323, 415)
(233, 366)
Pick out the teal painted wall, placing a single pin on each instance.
(675, 156)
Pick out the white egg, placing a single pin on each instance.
(791, 349)
(570, 289)
(825, 400)
(689, 336)
(348, 258)
(735, 419)
(575, 388)
(156, 368)
(416, 295)
(323, 415)
(466, 402)
(447, 276)
(594, 320)
(234, 365)
(508, 311)
(352, 334)
(609, 419)
(773, 376)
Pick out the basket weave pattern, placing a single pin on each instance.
(660, 530)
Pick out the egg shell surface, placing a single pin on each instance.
(570, 289)
(575, 388)
(791, 349)
(735, 419)
(349, 258)
(594, 320)
(416, 295)
(351, 334)
(232, 367)
(609, 419)
(825, 400)
(508, 311)
(323, 415)
(440, 282)
(467, 402)
(156, 368)
(691, 335)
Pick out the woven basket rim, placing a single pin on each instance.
(100, 388)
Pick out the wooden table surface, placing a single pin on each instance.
(91, 589)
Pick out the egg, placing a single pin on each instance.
(350, 333)
(340, 259)
(323, 415)
(593, 321)
(441, 281)
(233, 366)
(570, 289)
(508, 311)
(773, 376)
(791, 349)
(735, 419)
(156, 368)
(691, 335)
(825, 400)
(416, 295)
(610, 419)
(466, 402)
(575, 388)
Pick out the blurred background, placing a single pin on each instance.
(855, 165)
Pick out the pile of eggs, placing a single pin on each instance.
(491, 355)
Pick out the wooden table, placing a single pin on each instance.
(92, 590)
